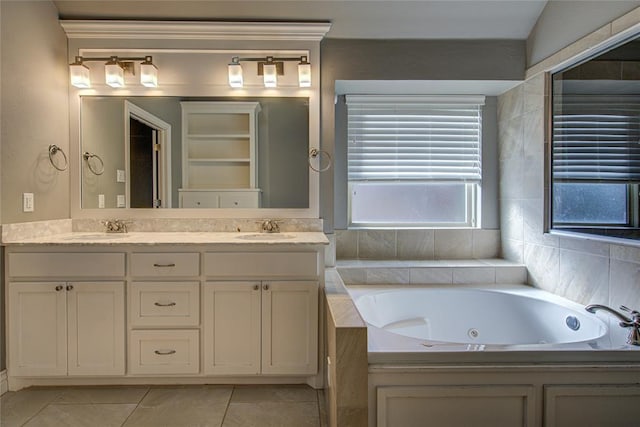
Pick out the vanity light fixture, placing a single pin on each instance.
(148, 73)
(270, 73)
(79, 74)
(270, 68)
(114, 73)
(304, 73)
(235, 73)
(114, 70)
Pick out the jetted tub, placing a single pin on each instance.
(405, 321)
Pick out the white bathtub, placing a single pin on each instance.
(404, 322)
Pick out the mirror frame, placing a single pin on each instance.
(585, 55)
(168, 40)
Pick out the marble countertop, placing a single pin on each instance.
(176, 238)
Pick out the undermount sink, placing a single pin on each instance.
(96, 236)
(266, 236)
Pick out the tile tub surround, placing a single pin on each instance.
(578, 268)
(347, 366)
(421, 244)
(481, 271)
(216, 406)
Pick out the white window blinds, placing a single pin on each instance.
(414, 137)
(596, 138)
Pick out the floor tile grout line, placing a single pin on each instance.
(38, 412)
(226, 408)
(137, 406)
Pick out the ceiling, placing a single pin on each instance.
(366, 19)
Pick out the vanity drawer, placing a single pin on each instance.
(165, 264)
(67, 265)
(260, 264)
(240, 199)
(165, 304)
(164, 352)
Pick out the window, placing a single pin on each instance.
(596, 160)
(414, 161)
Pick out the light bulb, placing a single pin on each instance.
(304, 74)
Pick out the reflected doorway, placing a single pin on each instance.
(148, 159)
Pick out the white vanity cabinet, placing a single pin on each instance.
(138, 313)
(164, 313)
(66, 313)
(261, 327)
(66, 328)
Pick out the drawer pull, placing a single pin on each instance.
(164, 352)
(164, 265)
(169, 304)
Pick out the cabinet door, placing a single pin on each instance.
(95, 313)
(231, 328)
(38, 329)
(290, 327)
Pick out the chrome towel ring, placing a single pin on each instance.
(87, 157)
(313, 153)
(53, 150)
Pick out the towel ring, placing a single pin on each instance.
(53, 150)
(88, 156)
(313, 153)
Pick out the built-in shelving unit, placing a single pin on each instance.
(219, 156)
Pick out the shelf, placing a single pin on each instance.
(219, 136)
(240, 160)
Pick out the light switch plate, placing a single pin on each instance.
(120, 176)
(27, 202)
(101, 201)
(120, 202)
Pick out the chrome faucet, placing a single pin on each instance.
(115, 226)
(270, 226)
(632, 322)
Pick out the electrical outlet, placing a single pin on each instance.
(120, 176)
(101, 201)
(120, 202)
(27, 202)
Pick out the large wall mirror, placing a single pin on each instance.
(595, 150)
(194, 152)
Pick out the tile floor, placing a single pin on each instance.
(164, 406)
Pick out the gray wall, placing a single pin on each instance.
(403, 60)
(563, 22)
(35, 110)
(34, 105)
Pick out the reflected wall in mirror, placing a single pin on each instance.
(144, 137)
(595, 153)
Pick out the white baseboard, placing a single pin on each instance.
(4, 383)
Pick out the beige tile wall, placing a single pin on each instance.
(417, 244)
(585, 271)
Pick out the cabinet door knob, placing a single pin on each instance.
(164, 352)
(59, 288)
(69, 287)
(256, 287)
(266, 287)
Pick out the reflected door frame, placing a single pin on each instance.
(163, 140)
